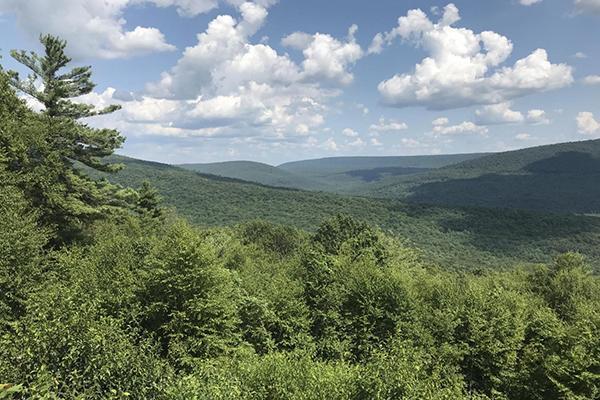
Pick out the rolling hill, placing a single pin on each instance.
(356, 175)
(451, 237)
(337, 165)
(255, 172)
(558, 178)
(338, 175)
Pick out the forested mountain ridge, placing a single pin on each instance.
(560, 178)
(463, 238)
(256, 172)
(336, 165)
(336, 174)
(563, 178)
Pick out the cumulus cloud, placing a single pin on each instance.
(537, 117)
(358, 142)
(440, 121)
(383, 126)
(498, 114)
(330, 145)
(349, 132)
(523, 136)
(441, 127)
(326, 58)
(592, 80)
(588, 6)
(529, 2)
(227, 85)
(587, 123)
(463, 68)
(409, 142)
(96, 28)
(93, 28)
(502, 113)
(375, 142)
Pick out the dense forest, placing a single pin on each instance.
(559, 178)
(107, 293)
(455, 238)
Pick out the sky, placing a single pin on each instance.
(275, 81)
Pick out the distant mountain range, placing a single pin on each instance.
(563, 177)
(337, 174)
(467, 237)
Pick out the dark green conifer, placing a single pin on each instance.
(52, 148)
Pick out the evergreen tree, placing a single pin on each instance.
(149, 201)
(50, 149)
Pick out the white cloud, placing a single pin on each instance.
(358, 142)
(375, 142)
(537, 117)
(326, 58)
(96, 28)
(529, 2)
(580, 55)
(588, 6)
(441, 128)
(498, 114)
(92, 28)
(592, 80)
(463, 68)
(227, 86)
(523, 137)
(351, 133)
(587, 123)
(412, 143)
(440, 121)
(330, 145)
(388, 126)
(503, 114)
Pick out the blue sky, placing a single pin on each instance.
(274, 81)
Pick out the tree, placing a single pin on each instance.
(149, 201)
(50, 150)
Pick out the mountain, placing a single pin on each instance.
(464, 237)
(254, 172)
(356, 175)
(339, 165)
(339, 175)
(563, 177)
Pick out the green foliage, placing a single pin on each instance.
(455, 238)
(21, 245)
(39, 150)
(57, 88)
(151, 307)
(170, 311)
(558, 178)
(190, 300)
(337, 175)
(149, 201)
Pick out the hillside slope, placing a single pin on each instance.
(356, 175)
(558, 178)
(345, 175)
(461, 238)
(255, 172)
(336, 165)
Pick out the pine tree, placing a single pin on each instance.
(55, 90)
(53, 146)
(149, 201)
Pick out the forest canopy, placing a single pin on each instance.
(106, 294)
